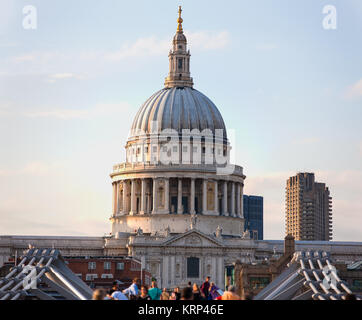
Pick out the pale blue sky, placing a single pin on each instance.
(69, 90)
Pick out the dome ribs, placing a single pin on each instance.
(137, 122)
(152, 113)
(193, 117)
(163, 116)
(172, 106)
(188, 115)
(178, 108)
(218, 121)
(181, 119)
(200, 113)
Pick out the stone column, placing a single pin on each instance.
(225, 199)
(148, 198)
(154, 196)
(221, 279)
(238, 212)
(216, 199)
(173, 263)
(143, 152)
(133, 197)
(118, 197)
(232, 209)
(214, 272)
(114, 202)
(204, 196)
(241, 201)
(143, 196)
(167, 195)
(125, 197)
(165, 268)
(179, 197)
(192, 196)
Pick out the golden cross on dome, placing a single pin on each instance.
(179, 20)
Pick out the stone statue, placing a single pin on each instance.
(167, 231)
(139, 231)
(218, 232)
(193, 221)
(246, 234)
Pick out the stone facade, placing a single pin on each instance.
(154, 201)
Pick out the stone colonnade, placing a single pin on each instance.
(140, 196)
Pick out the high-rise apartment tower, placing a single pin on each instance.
(308, 208)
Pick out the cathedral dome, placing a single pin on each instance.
(177, 164)
(178, 108)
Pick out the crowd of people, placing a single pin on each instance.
(207, 291)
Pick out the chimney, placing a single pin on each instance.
(289, 245)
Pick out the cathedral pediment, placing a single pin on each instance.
(192, 238)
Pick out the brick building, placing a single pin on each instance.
(102, 271)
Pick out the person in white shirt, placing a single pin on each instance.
(118, 295)
(132, 290)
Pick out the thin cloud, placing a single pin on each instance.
(24, 58)
(31, 169)
(271, 186)
(151, 46)
(60, 66)
(271, 181)
(207, 40)
(101, 109)
(142, 47)
(354, 91)
(65, 114)
(42, 56)
(64, 76)
(35, 226)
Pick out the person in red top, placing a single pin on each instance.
(205, 288)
